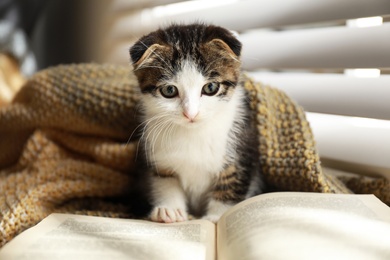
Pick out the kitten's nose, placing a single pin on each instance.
(190, 116)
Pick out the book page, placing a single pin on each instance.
(305, 226)
(65, 236)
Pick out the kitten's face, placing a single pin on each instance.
(187, 74)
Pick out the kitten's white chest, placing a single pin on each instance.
(196, 156)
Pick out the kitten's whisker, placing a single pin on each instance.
(153, 127)
(143, 139)
(139, 140)
(156, 132)
(168, 135)
(159, 130)
(133, 132)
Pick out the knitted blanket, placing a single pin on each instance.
(65, 147)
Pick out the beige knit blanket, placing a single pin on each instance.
(64, 146)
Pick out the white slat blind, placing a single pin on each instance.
(330, 47)
(310, 49)
(242, 15)
(335, 93)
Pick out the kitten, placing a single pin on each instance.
(198, 137)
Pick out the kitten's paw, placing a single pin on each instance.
(215, 210)
(212, 217)
(167, 215)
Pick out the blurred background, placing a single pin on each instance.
(331, 56)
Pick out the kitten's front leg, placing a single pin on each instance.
(169, 202)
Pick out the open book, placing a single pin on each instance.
(269, 226)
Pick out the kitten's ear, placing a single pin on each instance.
(225, 40)
(140, 52)
(221, 45)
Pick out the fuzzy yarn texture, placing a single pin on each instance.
(64, 146)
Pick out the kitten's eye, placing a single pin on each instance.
(210, 89)
(169, 91)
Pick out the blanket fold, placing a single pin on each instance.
(65, 146)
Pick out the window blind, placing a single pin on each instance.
(325, 54)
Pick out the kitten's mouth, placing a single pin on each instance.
(191, 123)
(186, 122)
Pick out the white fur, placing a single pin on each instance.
(194, 146)
(215, 210)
